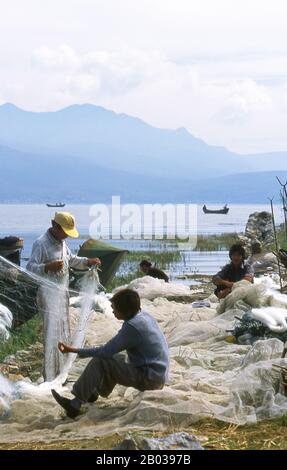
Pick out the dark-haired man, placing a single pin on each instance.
(233, 272)
(149, 270)
(147, 351)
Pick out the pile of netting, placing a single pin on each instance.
(209, 377)
(263, 311)
(150, 288)
(248, 329)
(6, 319)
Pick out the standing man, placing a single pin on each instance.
(51, 259)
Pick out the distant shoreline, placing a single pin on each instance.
(141, 203)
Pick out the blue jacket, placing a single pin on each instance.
(144, 342)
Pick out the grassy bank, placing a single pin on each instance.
(22, 337)
(121, 280)
(161, 258)
(164, 259)
(130, 267)
(282, 239)
(211, 242)
(216, 242)
(214, 435)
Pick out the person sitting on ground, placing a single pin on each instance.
(233, 272)
(147, 351)
(149, 270)
(260, 261)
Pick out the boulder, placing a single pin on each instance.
(259, 227)
(176, 441)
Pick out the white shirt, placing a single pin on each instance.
(46, 249)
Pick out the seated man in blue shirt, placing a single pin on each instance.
(146, 347)
(233, 272)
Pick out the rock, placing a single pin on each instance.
(6, 369)
(25, 363)
(176, 441)
(35, 376)
(259, 227)
(23, 354)
(9, 360)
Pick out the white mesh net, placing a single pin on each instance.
(209, 378)
(6, 318)
(150, 288)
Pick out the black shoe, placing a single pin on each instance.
(93, 398)
(65, 403)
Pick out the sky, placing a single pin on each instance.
(216, 67)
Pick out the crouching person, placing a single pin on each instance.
(237, 270)
(147, 351)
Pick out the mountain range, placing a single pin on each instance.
(85, 153)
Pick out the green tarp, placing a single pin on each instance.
(110, 257)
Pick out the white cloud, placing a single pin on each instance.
(93, 74)
(111, 72)
(82, 85)
(285, 94)
(63, 57)
(216, 68)
(244, 98)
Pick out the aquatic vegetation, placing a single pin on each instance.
(216, 242)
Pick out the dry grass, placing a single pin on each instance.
(267, 435)
(215, 435)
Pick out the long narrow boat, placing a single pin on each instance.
(58, 204)
(225, 210)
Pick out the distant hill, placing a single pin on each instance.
(28, 177)
(117, 141)
(245, 188)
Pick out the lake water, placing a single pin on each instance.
(28, 221)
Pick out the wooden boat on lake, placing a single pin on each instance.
(225, 210)
(58, 204)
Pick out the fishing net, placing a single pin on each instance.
(209, 378)
(18, 291)
(6, 319)
(25, 294)
(150, 288)
(245, 295)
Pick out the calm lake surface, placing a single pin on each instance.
(29, 221)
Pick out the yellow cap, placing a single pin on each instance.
(67, 222)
